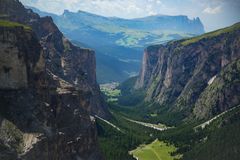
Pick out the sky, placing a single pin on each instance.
(214, 14)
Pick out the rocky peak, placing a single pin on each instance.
(66, 13)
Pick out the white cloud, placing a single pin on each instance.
(119, 8)
(159, 2)
(214, 10)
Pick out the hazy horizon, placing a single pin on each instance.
(214, 14)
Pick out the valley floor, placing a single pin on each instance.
(129, 138)
(128, 134)
(156, 150)
(140, 131)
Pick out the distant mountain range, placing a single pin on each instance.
(119, 42)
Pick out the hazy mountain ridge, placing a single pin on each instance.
(122, 39)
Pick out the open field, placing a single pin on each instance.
(155, 151)
(111, 91)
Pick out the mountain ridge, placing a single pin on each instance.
(114, 17)
(122, 39)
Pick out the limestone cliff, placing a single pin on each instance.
(42, 116)
(177, 73)
(48, 91)
(222, 93)
(73, 64)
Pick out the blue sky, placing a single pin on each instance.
(214, 14)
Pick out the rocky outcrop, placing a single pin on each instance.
(48, 91)
(177, 73)
(73, 64)
(221, 94)
(42, 115)
(15, 63)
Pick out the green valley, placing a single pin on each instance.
(78, 83)
(185, 141)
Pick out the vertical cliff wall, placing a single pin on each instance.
(42, 116)
(177, 73)
(48, 90)
(73, 64)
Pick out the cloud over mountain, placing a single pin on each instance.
(210, 11)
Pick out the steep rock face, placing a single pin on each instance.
(177, 73)
(73, 64)
(42, 115)
(48, 91)
(150, 58)
(222, 93)
(14, 68)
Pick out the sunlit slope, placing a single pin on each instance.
(157, 150)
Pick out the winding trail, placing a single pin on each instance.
(153, 150)
(109, 123)
(159, 127)
(203, 125)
